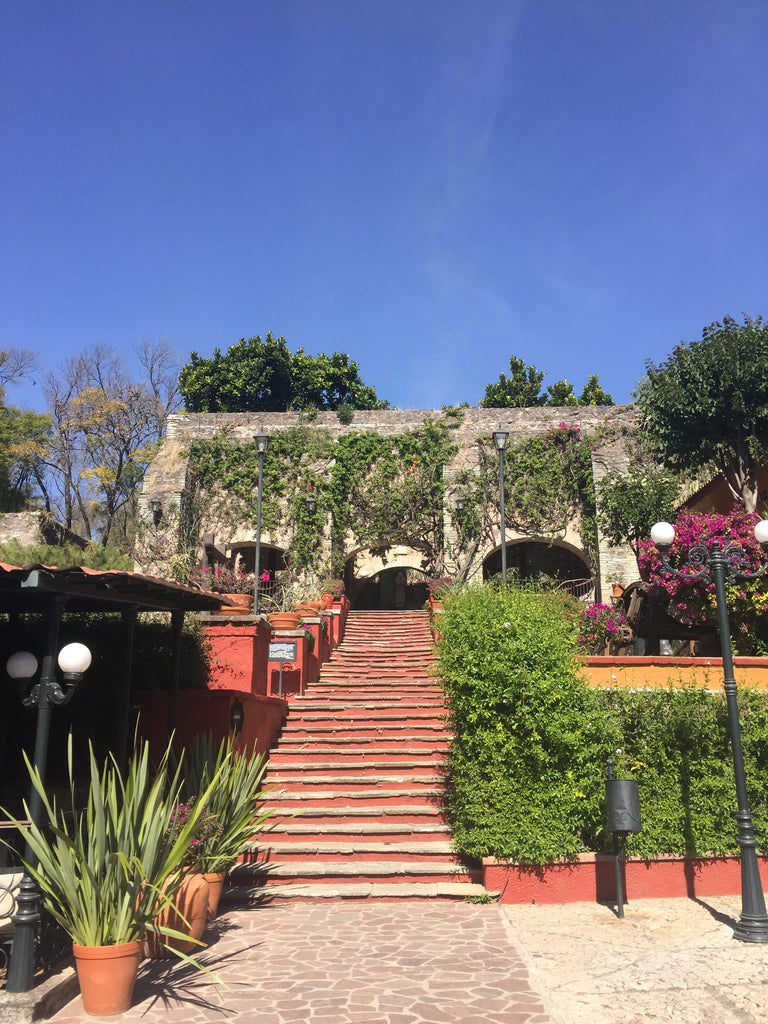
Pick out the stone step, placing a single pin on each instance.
(365, 831)
(368, 755)
(379, 892)
(411, 870)
(356, 798)
(387, 812)
(284, 780)
(435, 849)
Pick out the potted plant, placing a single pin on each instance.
(189, 913)
(332, 589)
(617, 584)
(106, 869)
(237, 586)
(279, 603)
(236, 804)
(600, 625)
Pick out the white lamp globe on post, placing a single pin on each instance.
(21, 665)
(74, 659)
(662, 534)
(718, 562)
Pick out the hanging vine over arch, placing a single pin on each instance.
(380, 490)
(548, 486)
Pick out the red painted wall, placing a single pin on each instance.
(240, 651)
(202, 711)
(592, 878)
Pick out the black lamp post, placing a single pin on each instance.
(262, 443)
(716, 566)
(73, 661)
(500, 440)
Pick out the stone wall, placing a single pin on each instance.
(166, 476)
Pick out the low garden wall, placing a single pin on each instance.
(591, 877)
(211, 711)
(664, 672)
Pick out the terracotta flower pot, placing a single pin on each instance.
(192, 900)
(284, 620)
(308, 607)
(243, 603)
(215, 880)
(107, 975)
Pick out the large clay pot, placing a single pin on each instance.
(308, 607)
(107, 975)
(215, 880)
(243, 603)
(192, 900)
(284, 620)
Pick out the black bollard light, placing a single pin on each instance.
(622, 797)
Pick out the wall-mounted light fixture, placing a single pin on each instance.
(236, 716)
(157, 511)
(311, 504)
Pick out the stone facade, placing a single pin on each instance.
(167, 475)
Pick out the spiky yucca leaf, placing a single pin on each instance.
(236, 801)
(106, 870)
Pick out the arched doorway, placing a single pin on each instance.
(393, 579)
(271, 558)
(534, 559)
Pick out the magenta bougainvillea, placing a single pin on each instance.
(694, 601)
(599, 626)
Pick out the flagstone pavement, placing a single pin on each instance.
(673, 961)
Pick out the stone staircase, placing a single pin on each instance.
(358, 778)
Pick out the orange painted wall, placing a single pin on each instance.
(642, 673)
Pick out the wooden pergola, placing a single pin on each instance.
(50, 592)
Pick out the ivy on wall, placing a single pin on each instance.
(548, 485)
(380, 490)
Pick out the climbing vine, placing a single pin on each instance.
(548, 485)
(382, 490)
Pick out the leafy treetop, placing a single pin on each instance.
(708, 403)
(522, 389)
(264, 376)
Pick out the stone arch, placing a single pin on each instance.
(393, 578)
(529, 558)
(271, 557)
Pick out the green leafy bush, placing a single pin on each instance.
(528, 745)
(528, 762)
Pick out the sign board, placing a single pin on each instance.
(283, 650)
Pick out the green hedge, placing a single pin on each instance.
(528, 762)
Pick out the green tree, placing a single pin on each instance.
(708, 404)
(630, 503)
(522, 389)
(263, 376)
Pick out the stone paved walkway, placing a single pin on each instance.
(377, 963)
(671, 961)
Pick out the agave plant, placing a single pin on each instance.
(236, 801)
(107, 869)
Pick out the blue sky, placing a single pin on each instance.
(431, 187)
